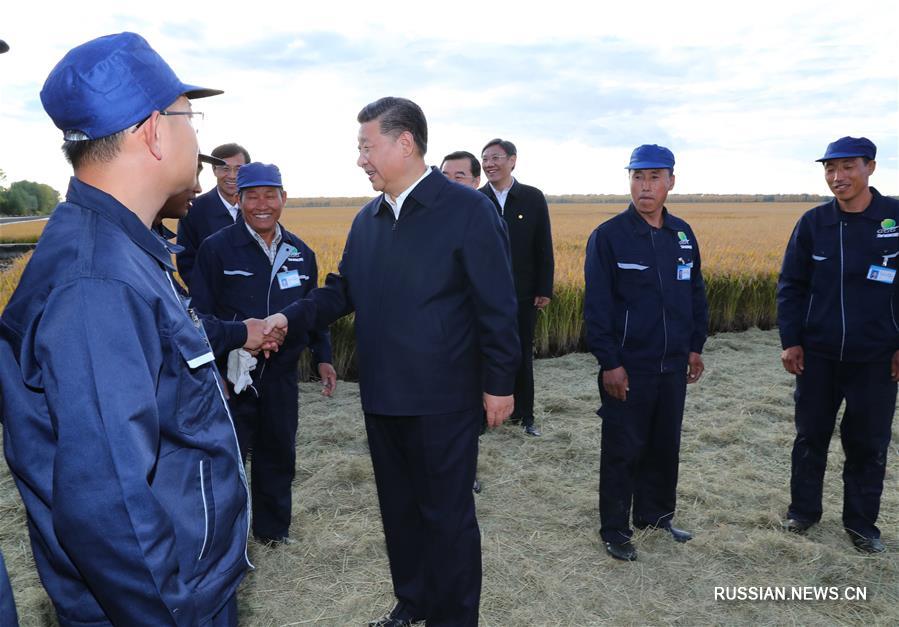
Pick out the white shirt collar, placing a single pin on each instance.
(397, 204)
(501, 195)
(232, 209)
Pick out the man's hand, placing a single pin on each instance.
(793, 359)
(541, 301)
(255, 335)
(696, 367)
(615, 382)
(498, 408)
(894, 367)
(275, 330)
(329, 378)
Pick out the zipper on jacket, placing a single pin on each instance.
(205, 513)
(624, 336)
(240, 468)
(842, 295)
(652, 240)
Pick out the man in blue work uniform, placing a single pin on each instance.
(646, 315)
(250, 270)
(836, 304)
(223, 335)
(115, 427)
(426, 270)
(213, 210)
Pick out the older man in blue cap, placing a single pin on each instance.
(252, 269)
(646, 315)
(115, 426)
(836, 312)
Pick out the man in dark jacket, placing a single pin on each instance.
(836, 312)
(115, 427)
(426, 270)
(524, 209)
(252, 269)
(646, 315)
(212, 211)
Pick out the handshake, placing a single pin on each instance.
(265, 335)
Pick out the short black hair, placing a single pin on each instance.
(507, 146)
(102, 150)
(395, 116)
(225, 151)
(464, 154)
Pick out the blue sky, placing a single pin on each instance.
(746, 96)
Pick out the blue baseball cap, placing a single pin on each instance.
(651, 156)
(257, 174)
(110, 83)
(847, 147)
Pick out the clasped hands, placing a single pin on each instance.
(265, 335)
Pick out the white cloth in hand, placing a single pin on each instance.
(240, 363)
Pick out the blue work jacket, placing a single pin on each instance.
(115, 427)
(644, 302)
(234, 279)
(208, 214)
(8, 616)
(825, 301)
(436, 313)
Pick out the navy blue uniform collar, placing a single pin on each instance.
(876, 211)
(424, 193)
(92, 199)
(642, 227)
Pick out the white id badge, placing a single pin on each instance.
(881, 274)
(683, 272)
(289, 279)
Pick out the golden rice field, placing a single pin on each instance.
(735, 238)
(741, 245)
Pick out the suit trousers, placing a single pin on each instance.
(424, 469)
(524, 378)
(267, 432)
(640, 453)
(865, 432)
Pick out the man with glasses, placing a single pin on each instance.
(462, 167)
(115, 427)
(213, 210)
(524, 209)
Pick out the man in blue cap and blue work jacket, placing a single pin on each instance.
(115, 426)
(646, 315)
(252, 269)
(836, 312)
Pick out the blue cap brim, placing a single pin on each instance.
(648, 165)
(840, 155)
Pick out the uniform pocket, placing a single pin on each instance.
(196, 387)
(208, 501)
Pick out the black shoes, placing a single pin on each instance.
(624, 551)
(867, 545)
(397, 617)
(532, 431)
(273, 542)
(794, 525)
(680, 535)
(476, 488)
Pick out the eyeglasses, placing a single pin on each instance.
(192, 115)
(225, 169)
(494, 158)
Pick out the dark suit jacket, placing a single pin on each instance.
(207, 215)
(436, 316)
(527, 217)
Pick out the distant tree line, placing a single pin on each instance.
(26, 198)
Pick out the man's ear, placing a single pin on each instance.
(148, 132)
(670, 182)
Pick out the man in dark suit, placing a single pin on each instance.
(426, 270)
(524, 209)
(212, 211)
